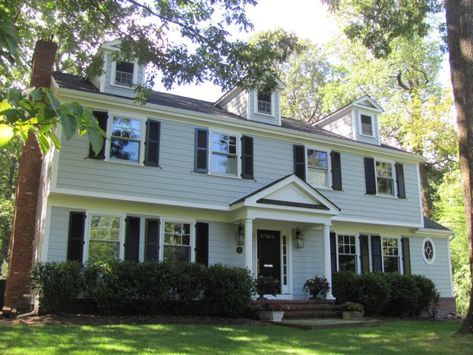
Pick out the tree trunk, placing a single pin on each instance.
(426, 201)
(459, 16)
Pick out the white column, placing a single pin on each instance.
(328, 260)
(249, 244)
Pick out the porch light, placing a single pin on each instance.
(299, 239)
(240, 234)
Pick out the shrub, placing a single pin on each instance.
(351, 307)
(227, 290)
(57, 285)
(266, 285)
(429, 295)
(343, 287)
(404, 295)
(316, 286)
(372, 291)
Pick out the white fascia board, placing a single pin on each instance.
(154, 201)
(248, 126)
(228, 95)
(341, 218)
(432, 232)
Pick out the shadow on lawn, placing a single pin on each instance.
(396, 337)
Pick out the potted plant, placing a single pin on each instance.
(317, 287)
(266, 285)
(270, 311)
(352, 310)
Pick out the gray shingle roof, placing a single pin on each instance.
(75, 82)
(429, 224)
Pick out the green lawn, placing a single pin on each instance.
(395, 337)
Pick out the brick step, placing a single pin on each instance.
(307, 306)
(312, 314)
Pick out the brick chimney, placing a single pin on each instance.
(28, 199)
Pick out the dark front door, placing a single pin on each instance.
(269, 254)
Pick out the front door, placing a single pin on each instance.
(269, 254)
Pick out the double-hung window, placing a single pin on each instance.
(384, 178)
(224, 154)
(177, 242)
(104, 238)
(125, 140)
(124, 73)
(317, 168)
(264, 103)
(366, 125)
(346, 253)
(390, 255)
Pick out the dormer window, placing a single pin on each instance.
(124, 73)
(366, 125)
(264, 103)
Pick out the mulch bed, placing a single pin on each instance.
(81, 319)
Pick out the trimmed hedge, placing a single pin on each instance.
(142, 288)
(388, 294)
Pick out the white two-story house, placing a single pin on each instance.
(234, 182)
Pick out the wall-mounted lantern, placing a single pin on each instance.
(240, 235)
(299, 239)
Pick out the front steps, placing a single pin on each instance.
(309, 309)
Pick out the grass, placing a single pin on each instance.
(399, 337)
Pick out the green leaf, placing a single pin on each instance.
(69, 124)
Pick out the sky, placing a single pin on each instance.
(306, 18)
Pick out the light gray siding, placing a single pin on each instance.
(308, 261)
(222, 247)
(176, 180)
(107, 77)
(342, 126)
(237, 104)
(58, 234)
(439, 271)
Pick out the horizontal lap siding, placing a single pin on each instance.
(439, 271)
(308, 261)
(354, 202)
(58, 234)
(222, 247)
(175, 179)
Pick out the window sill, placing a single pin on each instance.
(123, 86)
(124, 162)
(367, 136)
(225, 176)
(392, 197)
(265, 114)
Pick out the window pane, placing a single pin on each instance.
(346, 263)
(385, 186)
(264, 102)
(384, 170)
(103, 251)
(126, 128)
(220, 143)
(125, 150)
(105, 228)
(391, 264)
(176, 253)
(317, 159)
(366, 125)
(124, 73)
(224, 164)
(316, 177)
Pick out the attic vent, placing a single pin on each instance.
(124, 73)
(264, 103)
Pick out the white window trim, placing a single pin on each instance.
(238, 153)
(372, 125)
(430, 262)
(399, 251)
(381, 194)
(108, 141)
(113, 74)
(329, 165)
(273, 106)
(357, 251)
(89, 215)
(192, 235)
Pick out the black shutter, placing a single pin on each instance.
(202, 243)
(401, 188)
(75, 245)
(406, 256)
(376, 253)
(246, 157)
(201, 148)
(152, 239)
(364, 254)
(132, 239)
(102, 118)
(370, 176)
(153, 130)
(336, 171)
(333, 252)
(299, 161)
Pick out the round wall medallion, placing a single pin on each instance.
(428, 250)
(239, 250)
